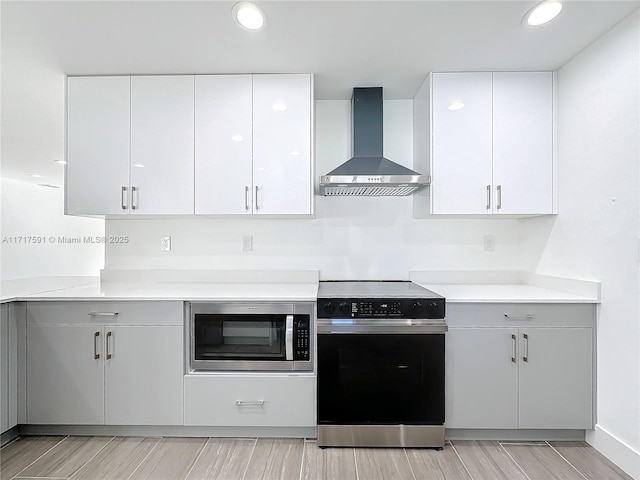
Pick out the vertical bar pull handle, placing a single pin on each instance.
(257, 204)
(246, 198)
(525, 357)
(123, 198)
(513, 348)
(499, 190)
(96, 355)
(289, 337)
(134, 198)
(488, 197)
(109, 335)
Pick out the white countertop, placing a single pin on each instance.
(505, 293)
(11, 290)
(92, 289)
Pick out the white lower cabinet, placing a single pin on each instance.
(531, 370)
(268, 400)
(84, 367)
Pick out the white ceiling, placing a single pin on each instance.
(393, 44)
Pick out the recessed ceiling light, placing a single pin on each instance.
(236, 138)
(542, 13)
(35, 175)
(455, 106)
(61, 162)
(249, 16)
(138, 165)
(279, 107)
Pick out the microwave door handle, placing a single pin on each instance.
(288, 338)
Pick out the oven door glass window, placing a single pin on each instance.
(239, 337)
(380, 379)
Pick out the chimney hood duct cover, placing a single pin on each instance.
(368, 173)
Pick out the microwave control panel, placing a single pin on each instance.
(302, 336)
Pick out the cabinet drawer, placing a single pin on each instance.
(269, 400)
(520, 315)
(101, 313)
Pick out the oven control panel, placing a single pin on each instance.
(430, 308)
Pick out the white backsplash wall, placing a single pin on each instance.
(350, 238)
(595, 236)
(57, 245)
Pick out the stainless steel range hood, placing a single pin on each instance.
(368, 173)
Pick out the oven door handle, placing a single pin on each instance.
(389, 329)
(288, 338)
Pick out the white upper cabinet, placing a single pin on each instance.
(523, 142)
(97, 170)
(162, 144)
(491, 144)
(224, 139)
(282, 167)
(185, 144)
(461, 169)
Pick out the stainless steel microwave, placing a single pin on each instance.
(251, 336)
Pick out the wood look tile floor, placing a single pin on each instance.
(101, 458)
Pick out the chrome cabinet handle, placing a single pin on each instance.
(96, 355)
(134, 198)
(288, 338)
(499, 189)
(257, 204)
(246, 198)
(243, 403)
(526, 316)
(513, 348)
(488, 197)
(109, 334)
(104, 314)
(123, 198)
(525, 357)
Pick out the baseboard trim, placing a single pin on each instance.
(169, 431)
(615, 450)
(514, 435)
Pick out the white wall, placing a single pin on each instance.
(30, 210)
(595, 236)
(350, 238)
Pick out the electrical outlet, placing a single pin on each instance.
(489, 243)
(247, 243)
(165, 244)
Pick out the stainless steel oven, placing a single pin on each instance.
(250, 336)
(381, 376)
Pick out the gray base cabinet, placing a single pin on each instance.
(267, 400)
(104, 363)
(520, 366)
(10, 323)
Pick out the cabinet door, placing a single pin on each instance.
(523, 142)
(97, 167)
(282, 182)
(65, 382)
(223, 136)
(556, 388)
(461, 143)
(162, 144)
(481, 378)
(4, 367)
(143, 375)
